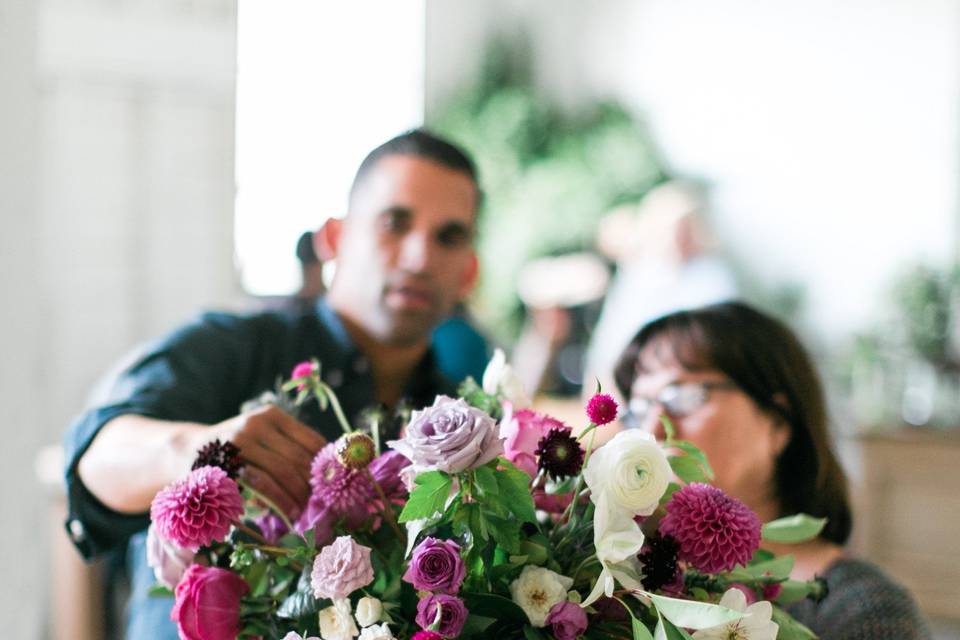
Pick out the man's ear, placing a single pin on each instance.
(326, 239)
(470, 276)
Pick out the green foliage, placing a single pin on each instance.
(793, 529)
(475, 396)
(548, 173)
(790, 629)
(429, 496)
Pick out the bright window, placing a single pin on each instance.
(319, 85)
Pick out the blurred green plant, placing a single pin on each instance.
(928, 303)
(549, 174)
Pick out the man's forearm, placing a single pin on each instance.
(133, 457)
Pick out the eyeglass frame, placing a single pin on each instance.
(632, 421)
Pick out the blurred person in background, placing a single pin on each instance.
(739, 385)
(665, 262)
(405, 258)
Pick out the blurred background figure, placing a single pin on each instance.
(311, 271)
(665, 261)
(459, 347)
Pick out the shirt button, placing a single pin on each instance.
(335, 377)
(77, 531)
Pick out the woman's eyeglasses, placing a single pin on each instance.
(678, 400)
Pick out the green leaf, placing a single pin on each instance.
(429, 496)
(486, 480)
(532, 634)
(476, 625)
(514, 486)
(640, 631)
(790, 629)
(668, 428)
(693, 615)
(505, 532)
(666, 630)
(159, 591)
(494, 606)
(795, 590)
(258, 577)
(687, 469)
(793, 529)
(778, 568)
(693, 452)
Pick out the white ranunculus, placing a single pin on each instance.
(756, 625)
(376, 632)
(631, 471)
(293, 635)
(368, 611)
(336, 623)
(537, 590)
(500, 376)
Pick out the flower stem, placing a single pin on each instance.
(385, 508)
(342, 419)
(267, 501)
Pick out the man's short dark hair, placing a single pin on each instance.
(422, 144)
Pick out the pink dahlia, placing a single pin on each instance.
(715, 532)
(602, 409)
(198, 510)
(346, 496)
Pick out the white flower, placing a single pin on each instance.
(293, 635)
(537, 590)
(336, 623)
(755, 625)
(368, 611)
(500, 376)
(377, 632)
(630, 471)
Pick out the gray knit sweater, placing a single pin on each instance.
(862, 603)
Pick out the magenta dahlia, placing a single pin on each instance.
(560, 454)
(197, 510)
(602, 409)
(715, 532)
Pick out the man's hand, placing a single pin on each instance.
(277, 450)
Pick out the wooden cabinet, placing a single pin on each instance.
(906, 490)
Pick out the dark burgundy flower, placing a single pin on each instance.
(224, 455)
(560, 454)
(659, 557)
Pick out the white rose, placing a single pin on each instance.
(336, 623)
(537, 590)
(368, 611)
(500, 376)
(755, 625)
(377, 632)
(631, 471)
(293, 635)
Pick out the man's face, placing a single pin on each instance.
(405, 255)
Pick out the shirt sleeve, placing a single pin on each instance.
(197, 374)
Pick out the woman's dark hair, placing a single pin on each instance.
(763, 357)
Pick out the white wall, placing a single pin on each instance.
(830, 130)
(117, 218)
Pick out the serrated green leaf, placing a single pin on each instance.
(693, 615)
(486, 480)
(429, 496)
(505, 532)
(793, 529)
(514, 486)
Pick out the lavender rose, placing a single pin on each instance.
(453, 614)
(340, 569)
(450, 436)
(436, 566)
(567, 620)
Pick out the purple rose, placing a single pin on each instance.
(450, 436)
(436, 566)
(568, 620)
(452, 614)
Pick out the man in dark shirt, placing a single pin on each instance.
(404, 256)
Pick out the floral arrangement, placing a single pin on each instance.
(485, 519)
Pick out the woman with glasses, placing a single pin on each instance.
(740, 386)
